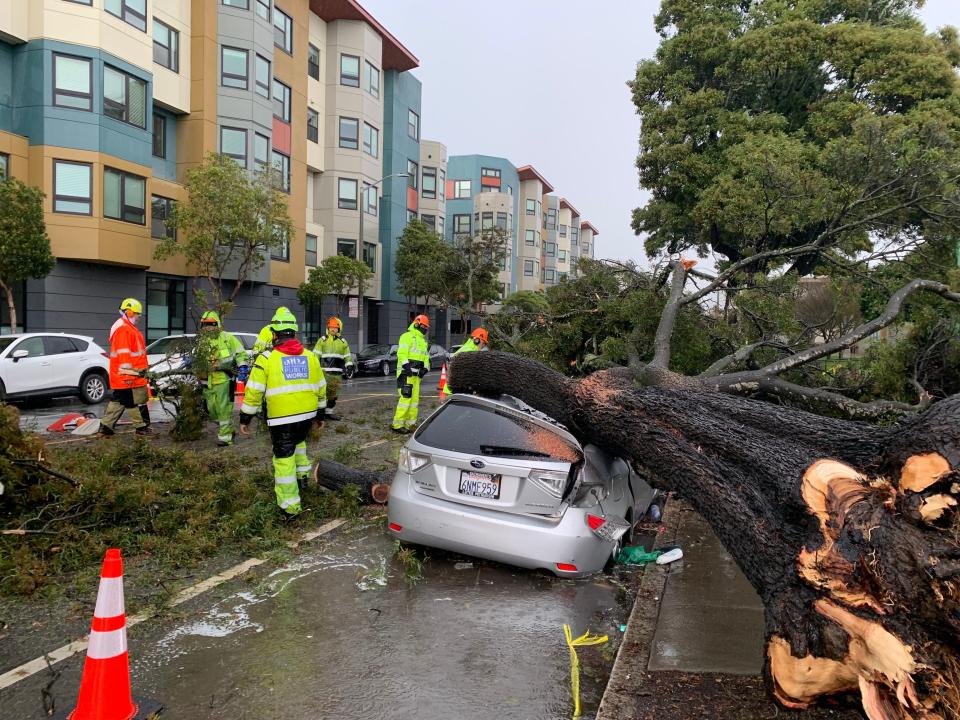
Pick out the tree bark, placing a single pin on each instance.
(847, 531)
(374, 486)
(11, 305)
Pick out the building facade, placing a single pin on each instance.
(107, 104)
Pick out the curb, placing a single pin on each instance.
(620, 697)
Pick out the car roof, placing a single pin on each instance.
(515, 406)
(18, 336)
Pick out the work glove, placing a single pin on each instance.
(422, 371)
(243, 373)
(402, 380)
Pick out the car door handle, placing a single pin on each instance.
(46, 363)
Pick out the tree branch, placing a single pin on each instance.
(668, 318)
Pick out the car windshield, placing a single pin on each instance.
(170, 345)
(5, 343)
(248, 341)
(374, 350)
(476, 430)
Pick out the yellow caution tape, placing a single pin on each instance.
(572, 644)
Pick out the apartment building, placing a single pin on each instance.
(106, 104)
(546, 231)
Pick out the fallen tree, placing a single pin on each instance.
(847, 531)
(373, 486)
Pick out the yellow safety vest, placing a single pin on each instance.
(292, 385)
(412, 348)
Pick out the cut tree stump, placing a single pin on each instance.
(374, 486)
(848, 531)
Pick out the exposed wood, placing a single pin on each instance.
(374, 486)
(854, 579)
(921, 471)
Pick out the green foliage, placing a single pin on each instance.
(227, 227)
(24, 245)
(191, 413)
(337, 275)
(421, 256)
(412, 565)
(770, 125)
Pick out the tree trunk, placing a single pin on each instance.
(374, 486)
(847, 531)
(11, 305)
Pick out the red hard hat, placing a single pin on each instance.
(422, 320)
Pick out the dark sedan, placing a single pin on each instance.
(381, 359)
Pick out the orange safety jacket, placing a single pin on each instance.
(127, 350)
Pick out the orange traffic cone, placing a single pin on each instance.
(442, 387)
(105, 684)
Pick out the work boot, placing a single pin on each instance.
(332, 418)
(224, 443)
(144, 430)
(105, 431)
(398, 431)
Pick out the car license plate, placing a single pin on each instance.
(481, 485)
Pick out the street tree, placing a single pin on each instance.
(24, 245)
(788, 140)
(421, 257)
(471, 275)
(337, 276)
(226, 229)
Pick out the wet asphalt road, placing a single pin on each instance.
(340, 633)
(37, 415)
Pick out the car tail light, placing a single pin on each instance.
(595, 522)
(410, 462)
(106, 355)
(550, 480)
(395, 527)
(566, 567)
(608, 528)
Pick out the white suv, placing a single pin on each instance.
(51, 365)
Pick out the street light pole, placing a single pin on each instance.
(363, 211)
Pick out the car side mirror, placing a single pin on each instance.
(17, 354)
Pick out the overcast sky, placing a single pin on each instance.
(543, 82)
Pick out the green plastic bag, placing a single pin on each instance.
(636, 555)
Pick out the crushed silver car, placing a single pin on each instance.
(498, 480)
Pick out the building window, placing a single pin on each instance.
(530, 238)
(461, 224)
(430, 182)
(166, 46)
(347, 248)
(490, 173)
(574, 235)
(313, 125)
(263, 9)
(261, 76)
(413, 125)
(233, 67)
(501, 220)
(282, 31)
(413, 174)
(311, 252)
(551, 249)
(124, 97)
(550, 276)
(563, 231)
(261, 152)
(161, 210)
(531, 207)
(486, 222)
(349, 133)
(81, 2)
(370, 199)
(442, 181)
(550, 219)
(430, 221)
(4, 165)
(313, 62)
(132, 12)
(124, 196)
(528, 268)
(281, 164)
(586, 249)
(461, 189)
(281, 100)
(72, 187)
(371, 140)
(166, 307)
(509, 189)
(280, 250)
(562, 255)
(159, 136)
(373, 80)
(72, 82)
(411, 216)
(242, 4)
(350, 70)
(347, 195)
(233, 143)
(370, 256)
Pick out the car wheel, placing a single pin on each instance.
(93, 388)
(385, 368)
(3, 391)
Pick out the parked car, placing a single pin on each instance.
(379, 359)
(53, 365)
(453, 349)
(170, 353)
(498, 480)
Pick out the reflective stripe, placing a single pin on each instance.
(304, 468)
(119, 351)
(285, 480)
(138, 353)
(332, 370)
(109, 598)
(289, 419)
(106, 645)
(287, 503)
(333, 355)
(322, 405)
(249, 409)
(284, 389)
(265, 354)
(253, 385)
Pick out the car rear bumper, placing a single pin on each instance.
(521, 540)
